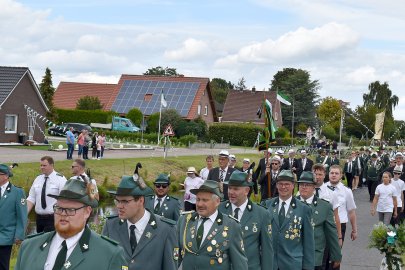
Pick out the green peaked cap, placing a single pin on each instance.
(307, 177)
(76, 190)
(129, 187)
(208, 186)
(162, 179)
(285, 175)
(6, 170)
(239, 178)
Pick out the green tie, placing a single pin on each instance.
(200, 232)
(317, 192)
(281, 214)
(61, 258)
(157, 207)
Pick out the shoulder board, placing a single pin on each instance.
(112, 216)
(61, 175)
(322, 199)
(186, 212)
(109, 240)
(168, 221)
(232, 217)
(171, 197)
(261, 205)
(34, 235)
(18, 187)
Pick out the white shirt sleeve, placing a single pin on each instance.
(350, 204)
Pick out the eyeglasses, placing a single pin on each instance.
(305, 185)
(274, 163)
(284, 185)
(68, 211)
(161, 185)
(397, 173)
(123, 202)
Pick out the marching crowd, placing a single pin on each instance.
(217, 227)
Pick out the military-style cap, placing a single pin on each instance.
(397, 169)
(285, 175)
(279, 152)
(291, 151)
(269, 150)
(246, 160)
(303, 151)
(275, 158)
(307, 177)
(239, 179)
(162, 179)
(399, 154)
(208, 186)
(224, 153)
(129, 187)
(6, 170)
(232, 157)
(79, 191)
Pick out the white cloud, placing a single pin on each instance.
(362, 75)
(191, 49)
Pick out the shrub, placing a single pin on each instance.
(235, 134)
(84, 116)
(135, 115)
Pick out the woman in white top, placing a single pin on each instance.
(192, 181)
(400, 187)
(385, 199)
(205, 171)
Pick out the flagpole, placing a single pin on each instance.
(160, 116)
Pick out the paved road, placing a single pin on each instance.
(356, 255)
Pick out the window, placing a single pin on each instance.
(206, 110)
(147, 97)
(11, 123)
(199, 109)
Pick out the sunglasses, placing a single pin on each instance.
(397, 173)
(161, 185)
(274, 163)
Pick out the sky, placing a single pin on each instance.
(344, 44)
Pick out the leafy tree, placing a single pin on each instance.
(329, 132)
(329, 112)
(172, 117)
(364, 114)
(89, 103)
(381, 97)
(162, 71)
(197, 127)
(241, 84)
(302, 127)
(302, 93)
(219, 89)
(283, 132)
(136, 116)
(47, 91)
(153, 123)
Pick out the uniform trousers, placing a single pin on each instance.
(5, 253)
(45, 223)
(372, 185)
(349, 177)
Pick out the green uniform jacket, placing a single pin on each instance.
(320, 159)
(325, 232)
(91, 252)
(371, 171)
(13, 213)
(157, 248)
(255, 224)
(222, 249)
(170, 207)
(293, 241)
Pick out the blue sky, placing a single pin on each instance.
(344, 44)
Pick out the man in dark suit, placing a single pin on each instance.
(304, 164)
(222, 173)
(349, 170)
(261, 168)
(270, 177)
(290, 163)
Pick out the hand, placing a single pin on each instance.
(335, 265)
(340, 242)
(395, 214)
(372, 211)
(18, 241)
(353, 235)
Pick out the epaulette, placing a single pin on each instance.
(168, 221)
(232, 217)
(186, 212)
(259, 204)
(61, 175)
(112, 216)
(171, 197)
(34, 235)
(324, 200)
(109, 240)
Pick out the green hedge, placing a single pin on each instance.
(84, 116)
(235, 134)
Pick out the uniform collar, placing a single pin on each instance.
(84, 240)
(6, 186)
(242, 207)
(292, 201)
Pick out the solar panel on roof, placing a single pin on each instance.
(179, 96)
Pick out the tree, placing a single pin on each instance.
(302, 93)
(172, 117)
(47, 91)
(329, 112)
(89, 103)
(241, 84)
(363, 114)
(219, 89)
(159, 71)
(135, 115)
(381, 97)
(153, 123)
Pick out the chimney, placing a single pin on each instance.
(254, 89)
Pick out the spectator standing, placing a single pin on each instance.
(193, 181)
(205, 171)
(87, 143)
(101, 140)
(385, 199)
(94, 145)
(70, 142)
(80, 143)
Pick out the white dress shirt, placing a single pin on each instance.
(309, 200)
(286, 206)
(140, 226)
(3, 188)
(328, 195)
(207, 224)
(161, 200)
(241, 211)
(346, 201)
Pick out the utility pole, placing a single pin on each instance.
(292, 122)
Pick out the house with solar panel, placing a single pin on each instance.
(21, 104)
(190, 96)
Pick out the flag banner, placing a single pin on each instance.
(271, 127)
(379, 124)
(283, 98)
(163, 101)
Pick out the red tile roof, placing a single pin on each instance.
(68, 93)
(242, 106)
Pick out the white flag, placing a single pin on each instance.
(163, 101)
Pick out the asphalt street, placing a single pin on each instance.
(356, 255)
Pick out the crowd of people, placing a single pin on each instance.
(84, 141)
(216, 225)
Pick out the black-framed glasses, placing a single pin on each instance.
(68, 211)
(274, 163)
(122, 202)
(161, 185)
(397, 173)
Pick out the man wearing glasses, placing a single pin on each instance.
(222, 173)
(13, 213)
(291, 227)
(149, 240)
(161, 203)
(73, 245)
(268, 180)
(79, 173)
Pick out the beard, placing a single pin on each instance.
(68, 230)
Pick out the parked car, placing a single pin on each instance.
(62, 129)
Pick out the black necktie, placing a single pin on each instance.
(157, 207)
(200, 232)
(221, 176)
(61, 258)
(332, 188)
(132, 237)
(281, 214)
(43, 195)
(317, 191)
(236, 215)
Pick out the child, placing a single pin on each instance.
(400, 187)
(385, 199)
